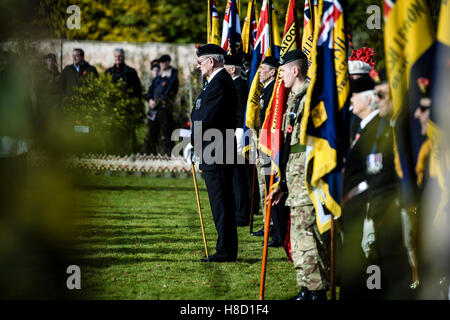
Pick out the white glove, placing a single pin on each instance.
(368, 237)
(239, 138)
(187, 153)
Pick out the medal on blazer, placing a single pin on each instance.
(198, 103)
(374, 162)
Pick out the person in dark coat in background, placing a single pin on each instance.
(48, 91)
(243, 171)
(161, 99)
(122, 72)
(72, 74)
(215, 108)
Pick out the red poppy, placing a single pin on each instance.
(364, 54)
(163, 84)
(423, 84)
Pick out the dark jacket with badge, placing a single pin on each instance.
(127, 75)
(70, 77)
(266, 94)
(242, 94)
(216, 109)
(164, 89)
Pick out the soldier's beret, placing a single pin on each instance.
(361, 84)
(233, 61)
(209, 49)
(271, 61)
(292, 56)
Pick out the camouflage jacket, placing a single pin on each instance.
(295, 169)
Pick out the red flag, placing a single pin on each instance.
(271, 135)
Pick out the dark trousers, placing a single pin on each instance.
(279, 215)
(242, 196)
(162, 123)
(220, 191)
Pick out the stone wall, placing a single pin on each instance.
(101, 54)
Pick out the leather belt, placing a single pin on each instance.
(360, 188)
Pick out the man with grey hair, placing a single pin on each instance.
(215, 111)
(371, 217)
(122, 72)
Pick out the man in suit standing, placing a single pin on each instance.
(243, 174)
(215, 112)
(267, 75)
(73, 73)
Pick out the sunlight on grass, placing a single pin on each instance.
(140, 238)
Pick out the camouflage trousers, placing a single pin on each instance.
(261, 173)
(309, 249)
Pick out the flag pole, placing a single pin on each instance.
(266, 238)
(199, 210)
(252, 200)
(332, 262)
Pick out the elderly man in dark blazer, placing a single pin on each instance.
(214, 118)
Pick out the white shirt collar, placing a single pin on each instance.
(265, 85)
(367, 119)
(214, 73)
(234, 78)
(168, 73)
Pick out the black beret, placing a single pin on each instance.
(292, 56)
(164, 58)
(209, 49)
(361, 84)
(233, 60)
(271, 61)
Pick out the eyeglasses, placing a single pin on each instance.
(380, 95)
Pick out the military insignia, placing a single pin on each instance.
(198, 104)
(374, 162)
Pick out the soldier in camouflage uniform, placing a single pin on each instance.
(309, 251)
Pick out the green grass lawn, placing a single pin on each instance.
(140, 238)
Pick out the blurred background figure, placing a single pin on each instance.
(155, 68)
(73, 73)
(122, 72)
(35, 203)
(161, 99)
(48, 92)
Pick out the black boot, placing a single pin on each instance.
(302, 295)
(319, 295)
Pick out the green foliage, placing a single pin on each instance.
(103, 106)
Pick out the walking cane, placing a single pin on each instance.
(199, 209)
(332, 271)
(252, 199)
(266, 239)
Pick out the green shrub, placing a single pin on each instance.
(107, 109)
